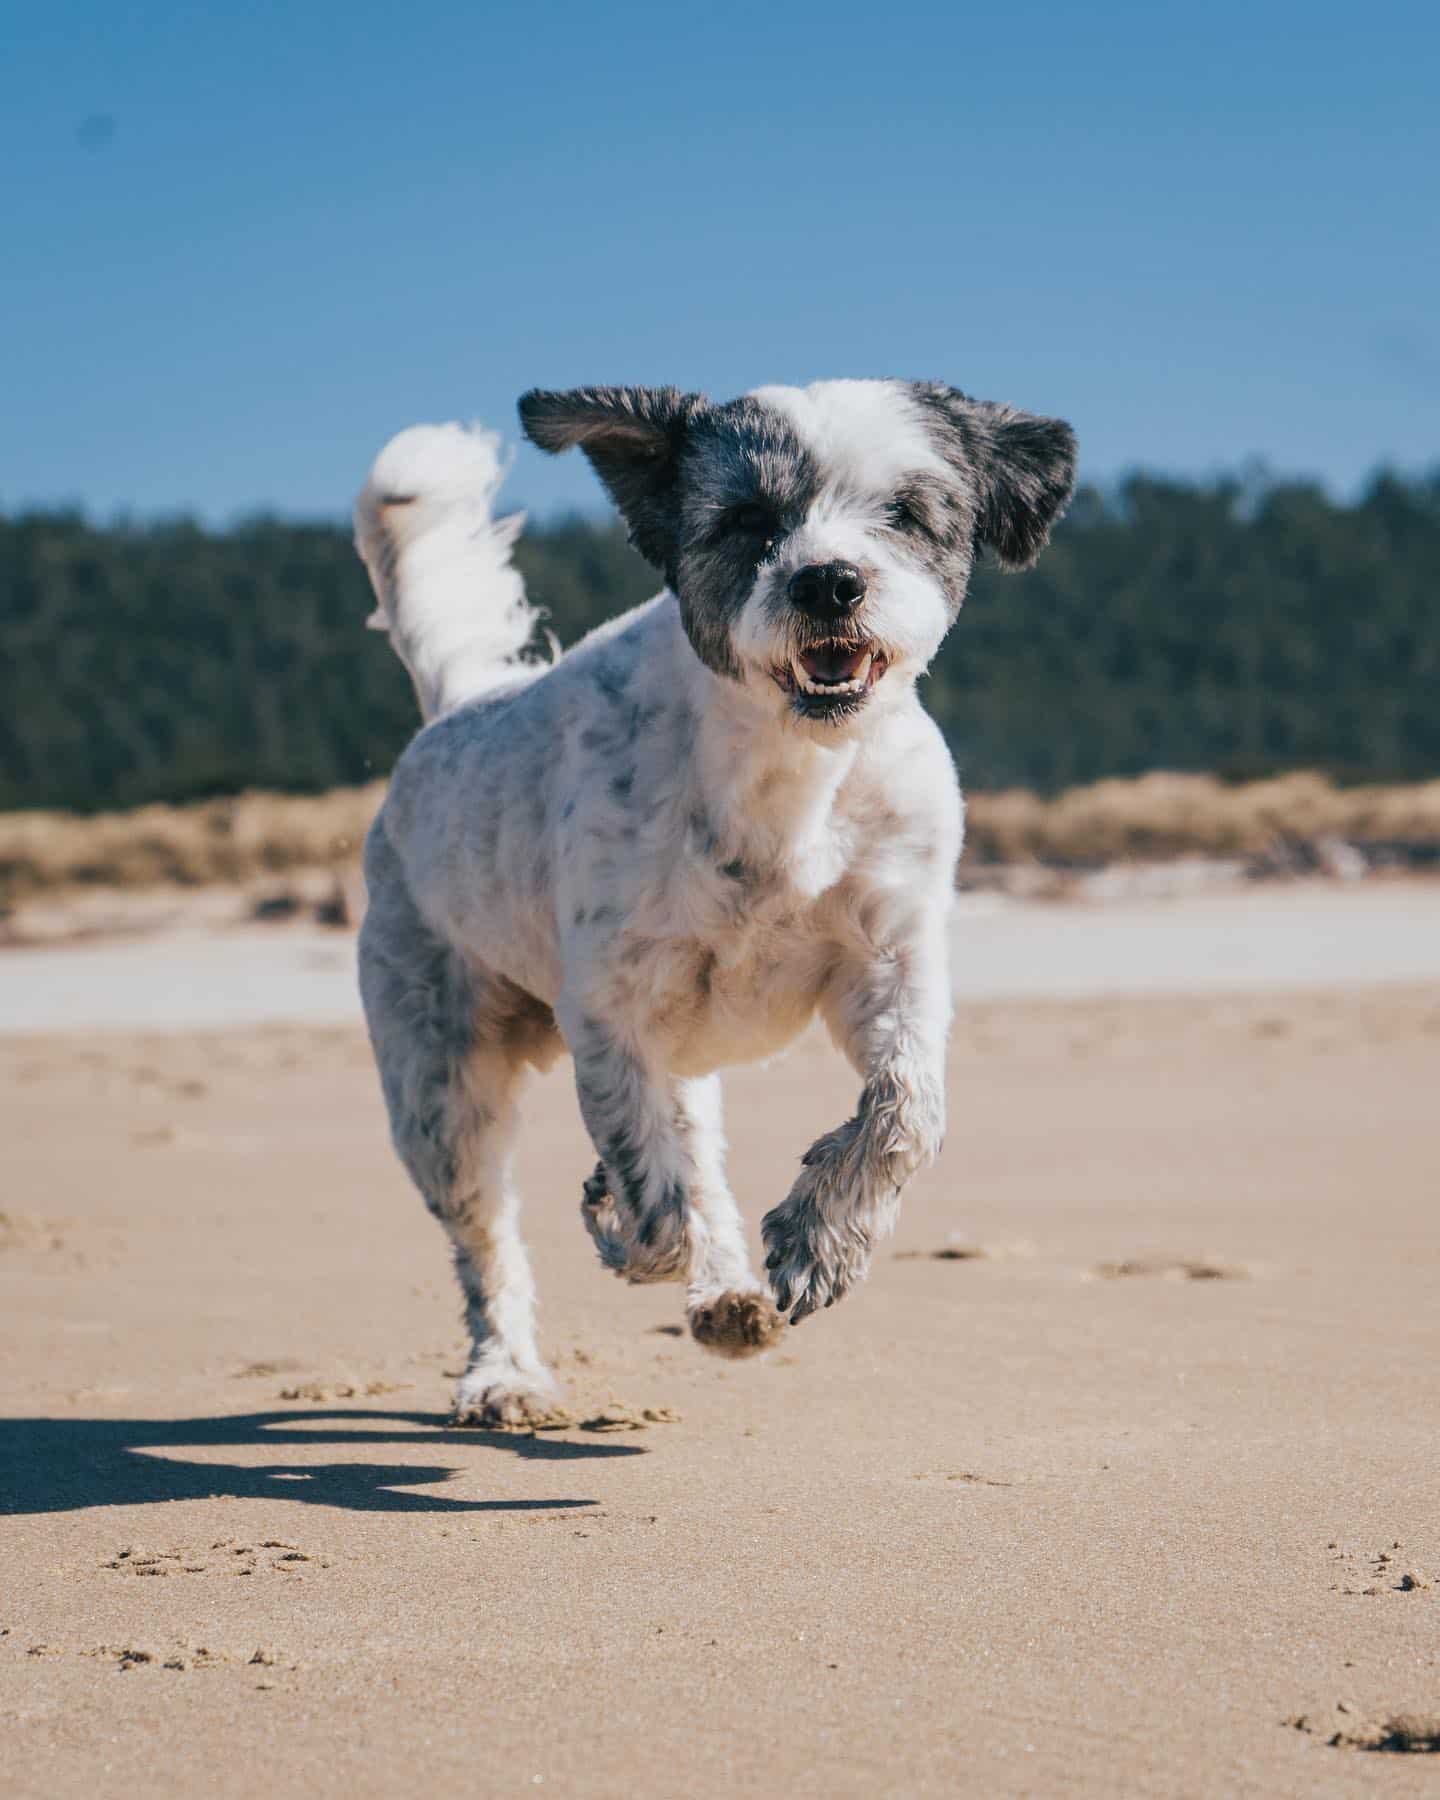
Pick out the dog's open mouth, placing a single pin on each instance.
(833, 676)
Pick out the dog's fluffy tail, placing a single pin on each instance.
(449, 596)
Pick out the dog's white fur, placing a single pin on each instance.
(666, 871)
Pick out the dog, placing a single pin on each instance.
(669, 848)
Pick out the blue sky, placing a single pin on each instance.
(243, 245)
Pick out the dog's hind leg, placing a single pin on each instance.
(451, 1054)
(506, 1383)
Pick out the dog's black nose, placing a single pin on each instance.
(827, 590)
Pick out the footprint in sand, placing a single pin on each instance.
(960, 1249)
(341, 1390)
(620, 1417)
(279, 1365)
(950, 1253)
(224, 1557)
(183, 1657)
(968, 1476)
(1171, 1268)
(1386, 1574)
(1398, 1734)
(154, 1137)
(18, 1232)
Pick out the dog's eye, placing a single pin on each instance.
(901, 515)
(752, 517)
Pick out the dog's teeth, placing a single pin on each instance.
(853, 684)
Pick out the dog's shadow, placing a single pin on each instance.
(68, 1465)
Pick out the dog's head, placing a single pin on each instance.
(819, 540)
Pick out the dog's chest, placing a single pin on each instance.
(738, 988)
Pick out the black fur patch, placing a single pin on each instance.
(633, 437)
(1019, 468)
(707, 491)
(748, 482)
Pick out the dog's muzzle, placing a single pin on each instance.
(833, 663)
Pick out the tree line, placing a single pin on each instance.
(1239, 628)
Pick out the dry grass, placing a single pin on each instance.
(214, 843)
(1160, 817)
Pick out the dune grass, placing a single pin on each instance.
(211, 843)
(1156, 818)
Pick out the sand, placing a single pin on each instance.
(1120, 1476)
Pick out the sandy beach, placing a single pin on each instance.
(1120, 1476)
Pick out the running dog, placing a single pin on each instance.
(669, 848)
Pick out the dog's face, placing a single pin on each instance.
(819, 540)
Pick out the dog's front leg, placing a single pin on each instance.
(730, 1311)
(888, 1008)
(637, 1205)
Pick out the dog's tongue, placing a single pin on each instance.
(833, 662)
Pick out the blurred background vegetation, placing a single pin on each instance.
(1243, 628)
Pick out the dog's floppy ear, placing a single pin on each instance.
(633, 437)
(1022, 467)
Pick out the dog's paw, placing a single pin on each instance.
(736, 1324)
(809, 1264)
(656, 1250)
(846, 1198)
(491, 1400)
(602, 1220)
(817, 1242)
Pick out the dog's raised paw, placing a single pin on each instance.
(811, 1263)
(737, 1324)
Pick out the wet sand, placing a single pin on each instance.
(1125, 1460)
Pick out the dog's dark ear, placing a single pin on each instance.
(1021, 466)
(1031, 478)
(633, 437)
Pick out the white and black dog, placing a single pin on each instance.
(668, 849)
